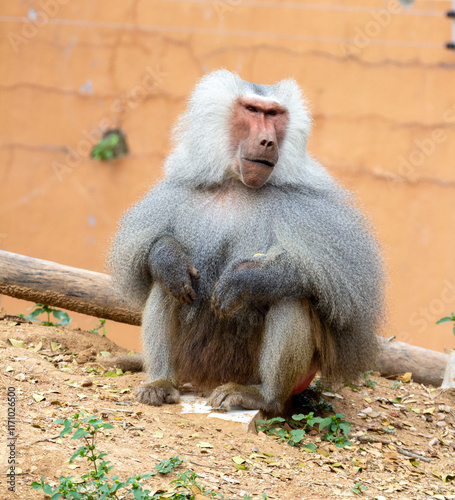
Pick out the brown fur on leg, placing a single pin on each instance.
(157, 393)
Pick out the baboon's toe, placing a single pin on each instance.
(158, 393)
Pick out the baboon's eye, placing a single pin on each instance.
(252, 109)
(272, 112)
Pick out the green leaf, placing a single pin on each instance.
(309, 447)
(444, 320)
(47, 489)
(325, 422)
(80, 433)
(113, 139)
(296, 436)
(35, 313)
(282, 433)
(345, 427)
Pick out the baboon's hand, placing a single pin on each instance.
(173, 268)
(177, 281)
(227, 296)
(235, 288)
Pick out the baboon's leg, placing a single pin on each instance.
(156, 337)
(285, 359)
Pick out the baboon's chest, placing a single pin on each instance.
(229, 221)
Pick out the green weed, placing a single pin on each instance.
(44, 309)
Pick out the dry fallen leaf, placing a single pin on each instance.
(390, 455)
(38, 347)
(406, 377)
(18, 343)
(203, 444)
(55, 346)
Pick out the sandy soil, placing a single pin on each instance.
(51, 377)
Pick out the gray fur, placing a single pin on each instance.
(315, 245)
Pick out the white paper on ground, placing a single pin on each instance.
(196, 404)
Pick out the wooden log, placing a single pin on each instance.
(427, 366)
(61, 286)
(92, 293)
(449, 375)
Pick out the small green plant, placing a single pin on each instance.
(98, 485)
(337, 430)
(96, 328)
(168, 464)
(359, 488)
(188, 482)
(268, 426)
(112, 145)
(396, 384)
(44, 309)
(367, 380)
(447, 319)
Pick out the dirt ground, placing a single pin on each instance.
(51, 377)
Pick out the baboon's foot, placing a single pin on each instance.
(248, 396)
(158, 393)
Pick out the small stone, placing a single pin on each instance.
(86, 383)
(367, 410)
(255, 449)
(442, 424)
(433, 442)
(441, 416)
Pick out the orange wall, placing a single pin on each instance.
(380, 82)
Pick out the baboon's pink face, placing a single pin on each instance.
(258, 129)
